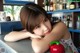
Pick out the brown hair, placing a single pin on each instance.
(31, 15)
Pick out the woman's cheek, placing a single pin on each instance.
(38, 32)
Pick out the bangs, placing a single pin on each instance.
(31, 16)
(34, 20)
(39, 20)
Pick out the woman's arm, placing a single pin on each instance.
(18, 35)
(57, 33)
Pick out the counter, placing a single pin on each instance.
(22, 46)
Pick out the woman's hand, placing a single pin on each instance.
(33, 35)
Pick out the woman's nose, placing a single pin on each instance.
(45, 28)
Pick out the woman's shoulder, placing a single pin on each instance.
(58, 32)
(59, 24)
(60, 28)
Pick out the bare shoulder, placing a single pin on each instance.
(60, 24)
(59, 27)
(57, 33)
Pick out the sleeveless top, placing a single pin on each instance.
(68, 44)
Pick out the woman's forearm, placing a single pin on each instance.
(16, 35)
(39, 45)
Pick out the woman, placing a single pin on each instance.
(39, 27)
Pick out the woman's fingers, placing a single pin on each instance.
(35, 36)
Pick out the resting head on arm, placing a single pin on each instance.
(18, 35)
(32, 16)
(37, 22)
(35, 19)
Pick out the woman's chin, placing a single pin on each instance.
(47, 33)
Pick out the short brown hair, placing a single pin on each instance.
(32, 15)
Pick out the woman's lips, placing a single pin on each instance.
(47, 32)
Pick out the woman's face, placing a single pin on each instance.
(43, 29)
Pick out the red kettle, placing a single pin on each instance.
(56, 47)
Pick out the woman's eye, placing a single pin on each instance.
(45, 20)
(37, 26)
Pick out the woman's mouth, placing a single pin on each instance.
(47, 32)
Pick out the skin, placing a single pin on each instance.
(58, 32)
(50, 33)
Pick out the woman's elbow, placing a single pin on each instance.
(9, 39)
(38, 50)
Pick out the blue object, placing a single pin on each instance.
(18, 2)
(65, 11)
(74, 30)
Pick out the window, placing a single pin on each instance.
(12, 8)
(13, 11)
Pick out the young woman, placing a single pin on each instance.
(39, 27)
